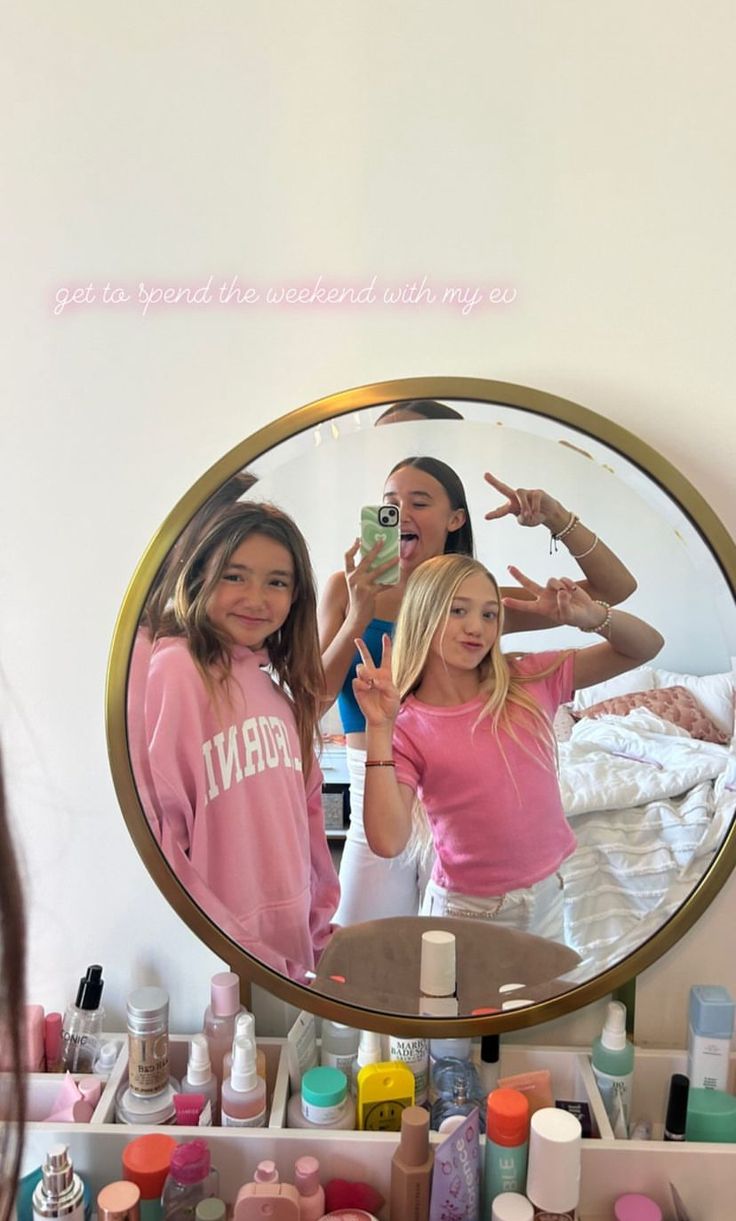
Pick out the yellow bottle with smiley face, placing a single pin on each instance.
(384, 1092)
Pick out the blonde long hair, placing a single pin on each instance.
(425, 609)
(293, 651)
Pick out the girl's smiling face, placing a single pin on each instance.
(470, 631)
(426, 516)
(253, 597)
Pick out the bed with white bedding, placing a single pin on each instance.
(649, 805)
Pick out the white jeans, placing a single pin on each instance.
(535, 909)
(371, 887)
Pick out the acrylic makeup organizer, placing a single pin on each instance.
(704, 1174)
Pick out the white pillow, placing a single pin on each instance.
(714, 692)
(641, 679)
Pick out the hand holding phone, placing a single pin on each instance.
(380, 523)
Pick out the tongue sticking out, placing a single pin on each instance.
(408, 545)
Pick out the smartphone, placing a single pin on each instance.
(381, 522)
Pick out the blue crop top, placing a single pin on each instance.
(352, 718)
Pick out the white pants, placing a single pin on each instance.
(371, 887)
(535, 909)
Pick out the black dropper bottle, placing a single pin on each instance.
(82, 1029)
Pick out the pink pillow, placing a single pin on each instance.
(674, 704)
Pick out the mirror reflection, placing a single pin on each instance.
(612, 783)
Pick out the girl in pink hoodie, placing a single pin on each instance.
(232, 703)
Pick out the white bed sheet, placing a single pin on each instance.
(649, 806)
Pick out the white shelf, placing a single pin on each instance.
(704, 1174)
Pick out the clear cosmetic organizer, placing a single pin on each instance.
(704, 1174)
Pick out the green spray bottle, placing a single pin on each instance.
(613, 1068)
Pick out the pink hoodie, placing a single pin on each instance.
(226, 798)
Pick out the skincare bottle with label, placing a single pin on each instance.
(507, 1142)
(339, 1046)
(82, 1027)
(414, 1053)
(243, 1101)
(148, 1041)
(219, 1017)
(710, 1028)
(613, 1068)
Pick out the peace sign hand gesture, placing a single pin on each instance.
(560, 600)
(373, 686)
(530, 506)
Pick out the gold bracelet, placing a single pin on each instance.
(380, 763)
(582, 554)
(605, 625)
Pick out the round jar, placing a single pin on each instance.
(324, 1101)
(148, 1041)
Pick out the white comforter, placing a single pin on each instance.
(649, 805)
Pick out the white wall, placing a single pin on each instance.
(579, 153)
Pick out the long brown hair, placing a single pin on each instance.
(12, 994)
(162, 588)
(293, 651)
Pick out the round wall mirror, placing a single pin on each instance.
(649, 793)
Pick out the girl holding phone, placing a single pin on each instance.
(434, 519)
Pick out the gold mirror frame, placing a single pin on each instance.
(242, 455)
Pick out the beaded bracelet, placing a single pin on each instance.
(582, 554)
(605, 625)
(380, 763)
(555, 538)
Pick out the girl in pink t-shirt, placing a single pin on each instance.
(232, 701)
(468, 731)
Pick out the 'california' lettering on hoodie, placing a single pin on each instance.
(225, 793)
